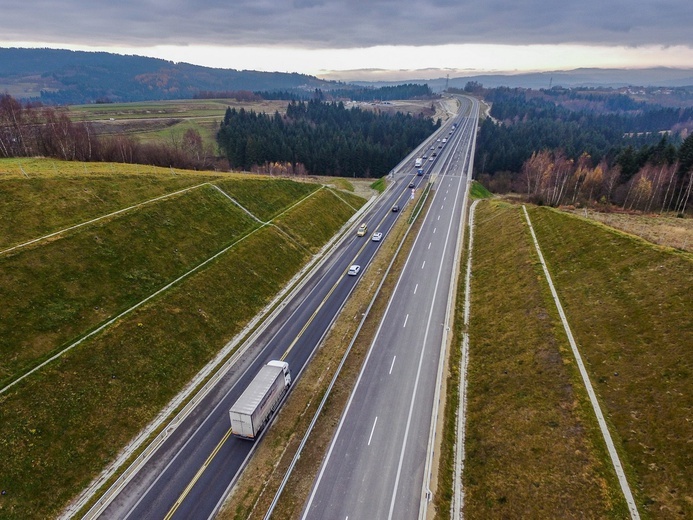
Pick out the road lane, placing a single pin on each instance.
(384, 477)
(189, 474)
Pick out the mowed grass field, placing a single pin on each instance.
(533, 447)
(63, 424)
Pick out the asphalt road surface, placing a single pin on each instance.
(375, 466)
(192, 470)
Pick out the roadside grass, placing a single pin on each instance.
(62, 426)
(265, 199)
(533, 448)
(255, 489)
(316, 219)
(629, 305)
(57, 291)
(342, 184)
(59, 194)
(444, 491)
(379, 185)
(479, 191)
(351, 199)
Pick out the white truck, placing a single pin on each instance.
(418, 163)
(254, 408)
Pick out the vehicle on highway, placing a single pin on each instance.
(445, 140)
(424, 156)
(377, 236)
(254, 408)
(354, 270)
(418, 161)
(395, 208)
(412, 185)
(435, 154)
(431, 159)
(419, 172)
(362, 230)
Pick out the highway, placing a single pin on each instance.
(191, 471)
(376, 465)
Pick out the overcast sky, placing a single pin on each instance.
(321, 36)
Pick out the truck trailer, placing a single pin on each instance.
(256, 405)
(418, 162)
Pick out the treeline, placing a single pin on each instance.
(326, 138)
(560, 147)
(389, 93)
(34, 130)
(238, 95)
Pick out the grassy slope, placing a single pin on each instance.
(266, 204)
(61, 426)
(531, 448)
(630, 307)
(63, 288)
(60, 194)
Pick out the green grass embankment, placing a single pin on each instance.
(59, 194)
(65, 423)
(630, 307)
(479, 191)
(62, 288)
(532, 444)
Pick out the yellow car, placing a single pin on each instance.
(362, 230)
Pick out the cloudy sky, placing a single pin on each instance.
(348, 38)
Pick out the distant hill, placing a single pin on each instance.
(73, 77)
(615, 78)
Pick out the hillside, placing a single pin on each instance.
(531, 434)
(76, 77)
(153, 273)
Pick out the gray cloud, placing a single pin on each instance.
(348, 23)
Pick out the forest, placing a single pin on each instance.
(562, 147)
(325, 138)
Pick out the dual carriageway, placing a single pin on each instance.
(379, 462)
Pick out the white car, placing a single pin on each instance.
(377, 236)
(354, 270)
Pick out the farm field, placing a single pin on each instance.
(64, 423)
(628, 304)
(166, 121)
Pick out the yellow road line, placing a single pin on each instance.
(197, 476)
(202, 469)
(324, 300)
